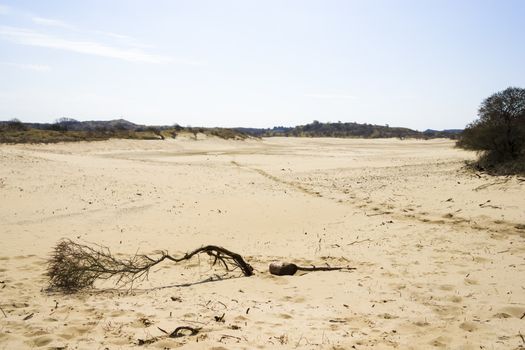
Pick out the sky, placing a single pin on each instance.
(418, 64)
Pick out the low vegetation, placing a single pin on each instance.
(349, 130)
(70, 130)
(499, 133)
(67, 130)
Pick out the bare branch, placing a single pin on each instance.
(73, 266)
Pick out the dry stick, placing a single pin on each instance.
(323, 268)
(229, 336)
(74, 266)
(361, 241)
(289, 269)
(3, 312)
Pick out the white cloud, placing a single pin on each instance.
(51, 22)
(33, 67)
(123, 39)
(114, 35)
(30, 37)
(4, 9)
(332, 96)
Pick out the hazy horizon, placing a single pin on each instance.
(258, 64)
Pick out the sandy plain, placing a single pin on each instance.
(439, 251)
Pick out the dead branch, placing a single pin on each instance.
(178, 332)
(284, 268)
(73, 266)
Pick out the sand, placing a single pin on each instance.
(439, 251)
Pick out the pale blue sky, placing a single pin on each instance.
(420, 64)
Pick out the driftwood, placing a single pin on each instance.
(284, 268)
(73, 266)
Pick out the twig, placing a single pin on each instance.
(376, 214)
(288, 269)
(324, 268)
(223, 304)
(361, 241)
(3, 312)
(229, 336)
(219, 318)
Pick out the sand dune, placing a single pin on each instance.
(439, 251)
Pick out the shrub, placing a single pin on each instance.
(499, 133)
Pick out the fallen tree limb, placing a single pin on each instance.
(284, 268)
(73, 266)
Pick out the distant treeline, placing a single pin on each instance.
(67, 129)
(70, 130)
(349, 130)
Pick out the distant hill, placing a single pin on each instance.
(92, 125)
(69, 130)
(447, 133)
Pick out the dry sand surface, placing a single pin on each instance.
(439, 251)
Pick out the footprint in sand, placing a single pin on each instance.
(447, 287)
(40, 341)
(73, 332)
(295, 299)
(441, 342)
(512, 311)
(456, 299)
(468, 326)
(471, 281)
